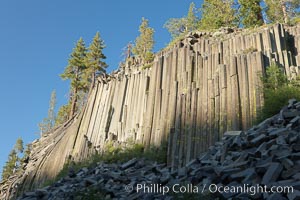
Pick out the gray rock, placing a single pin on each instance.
(276, 196)
(295, 195)
(232, 133)
(290, 114)
(258, 140)
(128, 164)
(272, 173)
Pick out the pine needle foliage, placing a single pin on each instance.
(95, 64)
(75, 73)
(144, 43)
(178, 26)
(217, 14)
(251, 13)
(14, 160)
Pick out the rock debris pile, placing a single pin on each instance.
(266, 155)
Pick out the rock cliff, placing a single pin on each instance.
(260, 163)
(194, 91)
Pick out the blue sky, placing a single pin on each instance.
(36, 39)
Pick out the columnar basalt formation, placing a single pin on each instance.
(247, 163)
(193, 92)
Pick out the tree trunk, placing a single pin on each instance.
(260, 15)
(93, 83)
(74, 95)
(74, 103)
(93, 80)
(284, 11)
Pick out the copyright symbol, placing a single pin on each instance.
(128, 188)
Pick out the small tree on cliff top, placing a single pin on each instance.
(94, 60)
(48, 123)
(144, 42)
(10, 165)
(191, 18)
(177, 26)
(63, 114)
(282, 10)
(251, 13)
(13, 163)
(217, 14)
(75, 73)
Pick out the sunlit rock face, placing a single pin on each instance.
(193, 92)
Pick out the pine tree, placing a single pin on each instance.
(127, 51)
(191, 19)
(19, 146)
(282, 11)
(177, 26)
(11, 165)
(63, 114)
(26, 154)
(75, 72)
(51, 111)
(217, 14)
(13, 162)
(94, 61)
(48, 123)
(275, 77)
(251, 13)
(144, 42)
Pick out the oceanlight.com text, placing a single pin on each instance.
(211, 188)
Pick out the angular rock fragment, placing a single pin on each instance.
(128, 164)
(272, 173)
(249, 172)
(232, 133)
(290, 114)
(258, 140)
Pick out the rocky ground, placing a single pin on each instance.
(265, 156)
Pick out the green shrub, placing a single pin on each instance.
(275, 77)
(276, 99)
(294, 21)
(146, 66)
(277, 91)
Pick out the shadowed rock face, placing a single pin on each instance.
(194, 91)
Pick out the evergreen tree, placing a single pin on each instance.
(51, 111)
(11, 164)
(13, 161)
(19, 146)
(48, 123)
(144, 42)
(94, 60)
(127, 51)
(75, 73)
(191, 19)
(277, 91)
(62, 114)
(274, 78)
(26, 154)
(282, 11)
(251, 13)
(217, 14)
(177, 26)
